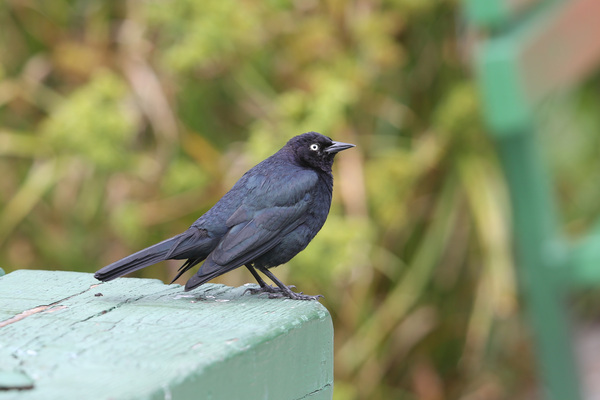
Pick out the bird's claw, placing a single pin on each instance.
(277, 293)
(266, 289)
(295, 296)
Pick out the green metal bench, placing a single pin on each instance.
(65, 336)
(533, 48)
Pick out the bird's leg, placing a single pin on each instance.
(285, 291)
(256, 276)
(264, 288)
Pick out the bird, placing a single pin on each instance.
(269, 215)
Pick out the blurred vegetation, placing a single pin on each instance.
(122, 122)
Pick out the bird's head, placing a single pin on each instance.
(315, 150)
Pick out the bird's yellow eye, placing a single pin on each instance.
(314, 147)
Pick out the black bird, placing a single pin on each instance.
(269, 216)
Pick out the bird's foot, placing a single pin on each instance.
(278, 293)
(266, 289)
(294, 296)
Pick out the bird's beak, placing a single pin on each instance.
(336, 147)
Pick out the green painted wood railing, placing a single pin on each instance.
(65, 336)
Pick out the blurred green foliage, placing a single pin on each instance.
(122, 122)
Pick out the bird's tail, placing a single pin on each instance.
(139, 260)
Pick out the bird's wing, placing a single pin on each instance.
(245, 242)
(257, 226)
